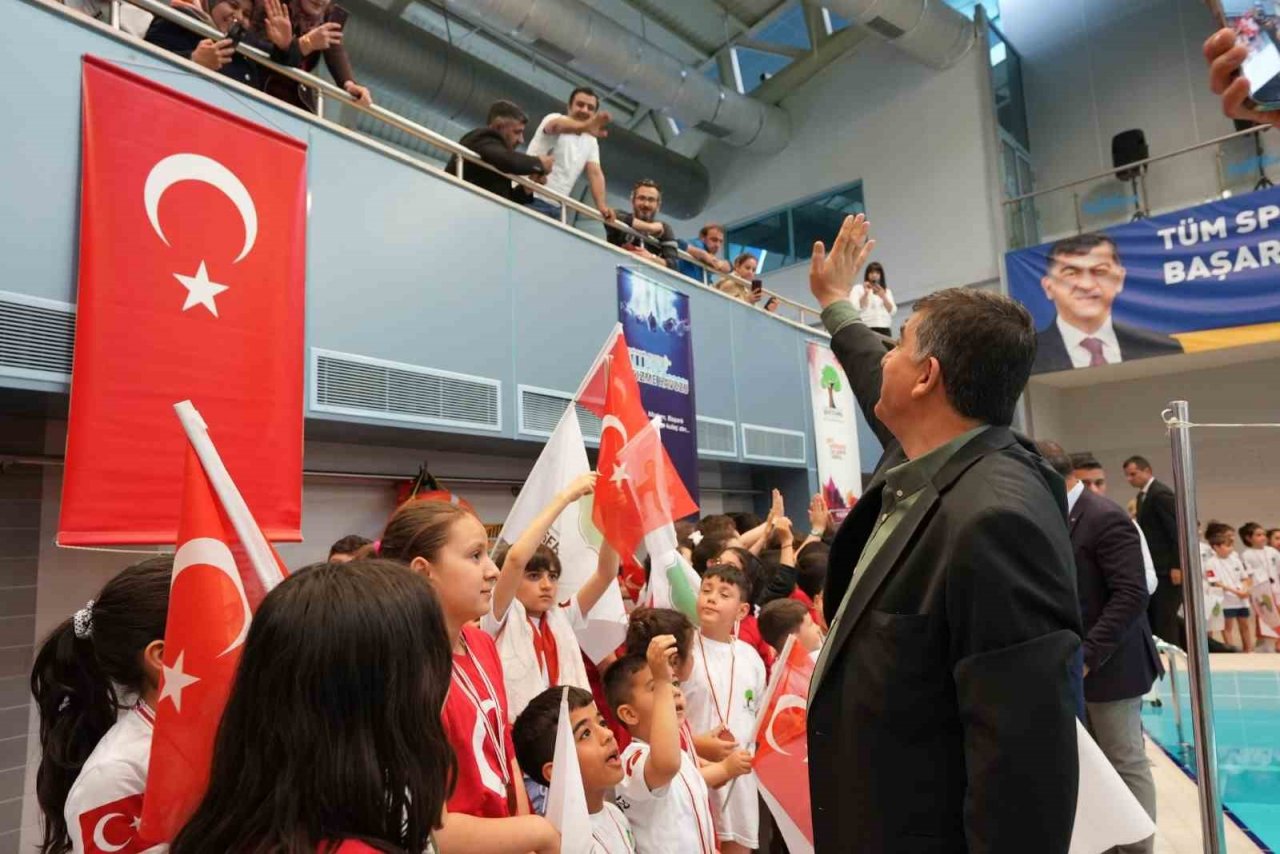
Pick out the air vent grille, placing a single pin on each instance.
(37, 337)
(541, 408)
(358, 385)
(717, 437)
(770, 444)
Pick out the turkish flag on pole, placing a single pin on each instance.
(612, 393)
(781, 759)
(221, 562)
(191, 285)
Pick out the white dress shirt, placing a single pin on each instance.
(875, 313)
(1079, 355)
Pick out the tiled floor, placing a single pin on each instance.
(1178, 812)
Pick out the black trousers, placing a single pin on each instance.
(1162, 611)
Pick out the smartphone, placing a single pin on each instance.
(336, 15)
(1259, 30)
(757, 285)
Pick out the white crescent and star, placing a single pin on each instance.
(207, 551)
(786, 701)
(206, 170)
(100, 833)
(492, 779)
(175, 681)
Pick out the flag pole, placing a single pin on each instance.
(600, 356)
(255, 544)
(769, 690)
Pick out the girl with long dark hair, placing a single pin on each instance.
(874, 299)
(93, 759)
(331, 739)
(489, 807)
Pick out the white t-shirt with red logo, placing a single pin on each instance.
(675, 817)
(476, 724)
(104, 807)
(611, 832)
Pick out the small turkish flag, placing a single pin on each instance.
(113, 828)
(781, 760)
(613, 394)
(208, 619)
(191, 286)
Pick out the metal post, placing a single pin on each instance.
(115, 14)
(1184, 488)
(320, 103)
(1075, 203)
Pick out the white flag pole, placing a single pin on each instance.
(251, 537)
(600, 357)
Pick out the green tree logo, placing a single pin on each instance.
(830, 380)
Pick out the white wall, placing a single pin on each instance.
(1093, 68)
(1237, 471)
(916, 139)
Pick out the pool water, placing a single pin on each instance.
(1246, 718)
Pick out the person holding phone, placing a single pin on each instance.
(875, 301)
(230, 17)
(316, 26)
(744, 267)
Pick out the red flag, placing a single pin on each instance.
(622, 522)
(191, 286)
(208, 619)
(781, 760)
(112, 828)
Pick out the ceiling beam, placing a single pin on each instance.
(772, 47)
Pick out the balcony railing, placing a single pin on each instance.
(796, 312)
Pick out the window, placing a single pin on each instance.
(1006, 78)
(756, 66)
(785, 237)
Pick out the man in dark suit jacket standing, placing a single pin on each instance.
(1120, 660)
(1082, 280)
(942, 707)
(1158, 519)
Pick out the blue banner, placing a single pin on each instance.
(1201, 278)
(655, 321)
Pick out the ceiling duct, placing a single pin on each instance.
(927, 30)
(422, 75)
(604, 50)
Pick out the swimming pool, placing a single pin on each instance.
(1247, 726)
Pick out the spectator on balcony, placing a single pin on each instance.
(572, 139)
(496, 144)
(133, 20)
(875, 301)
(646, 201)
(316, 26)
(705, 250)
(744, 268)
(230, 17)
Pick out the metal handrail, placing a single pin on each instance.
(454, 149)
(1137, 164)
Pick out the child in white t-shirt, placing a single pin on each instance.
(724, 693)
(663, 791)
(1262, 564)
(535, 635)
(599, 761)
(1229, 574)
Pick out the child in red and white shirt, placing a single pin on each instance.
(96, 680)
(450, 546)
(534, 630)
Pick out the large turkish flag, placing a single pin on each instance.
(192, 242)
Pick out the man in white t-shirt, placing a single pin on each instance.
(573, 141)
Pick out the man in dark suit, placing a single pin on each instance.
(1083, 279)
(942, 707)
(1120, 660)
(1158, 519)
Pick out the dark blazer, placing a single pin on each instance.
(492, 148)
(1158, 519)
(943, 719)
(1118, 649)
(1135, 343)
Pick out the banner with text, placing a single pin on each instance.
(835, 431)
(1202, 278)
(655, 322)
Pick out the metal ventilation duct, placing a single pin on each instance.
(422, 75)
(928, 30)
(587, 41)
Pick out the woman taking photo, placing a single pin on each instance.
(332, 740)
(874, 299)
(317, 27)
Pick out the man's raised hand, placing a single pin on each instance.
(831, 275)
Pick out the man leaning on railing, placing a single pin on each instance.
(496, 144)
(646, 201)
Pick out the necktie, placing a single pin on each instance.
(1094, 346)
(1141, 497)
